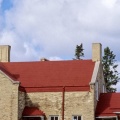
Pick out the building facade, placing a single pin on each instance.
(52, 90)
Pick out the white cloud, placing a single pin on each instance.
(54, 27)
(54, 58)
(109, 3)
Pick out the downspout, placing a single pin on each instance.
(63, 101)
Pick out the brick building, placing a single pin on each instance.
(55, 90)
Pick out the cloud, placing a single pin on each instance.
(51, 26)
(109, 3)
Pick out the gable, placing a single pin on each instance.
(8, 96)
(6, 79)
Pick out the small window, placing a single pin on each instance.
(97, 90)
(103, 88)
(54, 117)
(77, 117)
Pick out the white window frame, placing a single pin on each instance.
(53, 116)
(77, 116)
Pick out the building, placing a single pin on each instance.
(55, 90)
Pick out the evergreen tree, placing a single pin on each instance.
(79, 52)
(109, 70)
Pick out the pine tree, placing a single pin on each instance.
(79, 52)
(109, 70)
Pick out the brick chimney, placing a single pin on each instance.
(96, 52)
(5, 53)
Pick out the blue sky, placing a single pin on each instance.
(53, 28)
(6, 5)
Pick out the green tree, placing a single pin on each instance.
(109, 70)
(79, 52)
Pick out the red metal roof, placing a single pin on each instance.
(32, 111)
(49, 74)
(108, 104)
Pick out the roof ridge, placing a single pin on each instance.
(46, 61)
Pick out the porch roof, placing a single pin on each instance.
(32, 111)
(108, 104)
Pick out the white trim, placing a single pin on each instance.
(106, 117)
(95, 72)
(13, 81)
(116, 112)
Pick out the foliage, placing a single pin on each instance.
(79, 52)
(110, 70)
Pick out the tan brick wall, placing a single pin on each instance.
(21, 103)
(48, 102)
(8, 99)
(79, 103)
(101, 82)
(76, 103)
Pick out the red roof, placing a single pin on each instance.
(108, 104)
(32, 111)
(49, 74)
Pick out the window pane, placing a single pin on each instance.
(56, 118)
(75, 118)
(79, 117)
(52, 118)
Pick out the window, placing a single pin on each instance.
(54, 117)
(77, 117)
(103, 88)
(97, 90)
